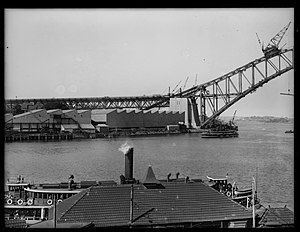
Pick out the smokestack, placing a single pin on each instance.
(129, 164)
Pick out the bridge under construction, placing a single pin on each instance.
(206, 101)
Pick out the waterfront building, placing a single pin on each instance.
(32, 121)
(155, 204)
(127, 119)
(84, 120)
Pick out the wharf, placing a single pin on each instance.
(38, 137)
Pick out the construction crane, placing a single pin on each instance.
(273, 47)
(185, 83)
(176, 87)
(231, 123)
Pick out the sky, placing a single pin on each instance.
(58, 53)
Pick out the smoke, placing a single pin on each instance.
(124, 148)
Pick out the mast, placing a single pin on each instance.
(253, 207)
(131, 206)
(54, 212)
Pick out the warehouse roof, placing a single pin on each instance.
(68, 111)
(175, 203)
(28, 113)
(54, 111)
(82, 111)
(87, 126)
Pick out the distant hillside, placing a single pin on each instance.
(266, 119)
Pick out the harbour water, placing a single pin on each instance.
(261, 147)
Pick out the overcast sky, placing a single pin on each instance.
(133, 52)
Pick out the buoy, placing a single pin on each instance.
(228, 194)
(9, 201)
(20, 202)
(60, 200)
(30, 201)
(49, 202)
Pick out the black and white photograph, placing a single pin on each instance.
(131, 118)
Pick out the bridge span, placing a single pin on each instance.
(139, 102)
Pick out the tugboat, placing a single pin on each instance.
(241, 196)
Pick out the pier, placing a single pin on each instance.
(39, 137)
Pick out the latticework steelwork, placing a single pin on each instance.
(219, 94)
(88, 103)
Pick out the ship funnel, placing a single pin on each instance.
(129, 164)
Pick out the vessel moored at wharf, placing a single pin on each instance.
(33, 201)
(241, 196)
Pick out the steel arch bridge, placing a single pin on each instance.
(213, 97)
(219, 94)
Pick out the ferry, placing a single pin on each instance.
(219, 134)
(241, 196)
(220, 129)
(32, 202)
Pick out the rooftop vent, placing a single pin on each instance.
(150, 180)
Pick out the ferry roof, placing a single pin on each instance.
(217, 178)
(17, 184)
(52, 190)
(26, 206)
(175, 203)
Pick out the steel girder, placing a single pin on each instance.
(90, 103)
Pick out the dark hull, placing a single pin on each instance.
(219, 134)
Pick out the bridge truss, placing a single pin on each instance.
(90, 103)
(216, 96)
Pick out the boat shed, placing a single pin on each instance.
(176, 204)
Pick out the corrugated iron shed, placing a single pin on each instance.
(177, 203)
